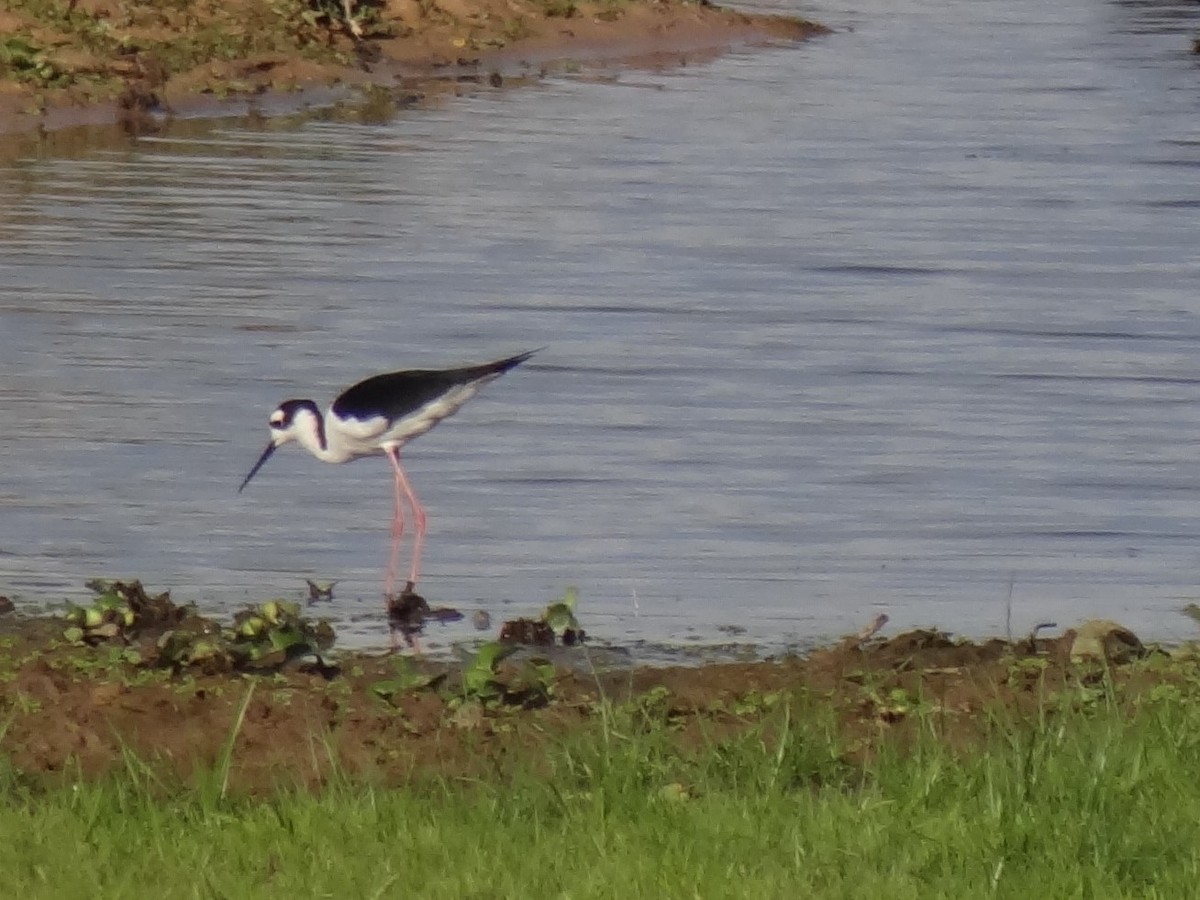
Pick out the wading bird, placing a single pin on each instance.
(377, 417)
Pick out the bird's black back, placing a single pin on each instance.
(396, 394)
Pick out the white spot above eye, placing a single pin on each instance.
(276, 418)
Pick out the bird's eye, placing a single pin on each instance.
(276, 419)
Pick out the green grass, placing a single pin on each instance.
(1097, 803)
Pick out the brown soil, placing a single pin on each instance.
(70, 61)
(77, 710)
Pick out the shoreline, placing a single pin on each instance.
(407, 57)
(905, 766)
(126, 669)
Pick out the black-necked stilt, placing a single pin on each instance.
(378, 417)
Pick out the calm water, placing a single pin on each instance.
(900, 320)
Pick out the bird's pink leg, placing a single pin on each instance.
(397, 524)
(418, 516)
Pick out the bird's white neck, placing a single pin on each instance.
(309, 430)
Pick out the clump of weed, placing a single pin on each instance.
(121, 610)
(405, 680)
(261, 638)
(556, 623)
(485, 683)
(24, 61)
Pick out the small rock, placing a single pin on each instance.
(1103, 639)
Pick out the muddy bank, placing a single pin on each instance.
(65, 62)
(132, 673)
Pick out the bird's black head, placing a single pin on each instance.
(284, 416)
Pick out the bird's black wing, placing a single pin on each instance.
(394, 395)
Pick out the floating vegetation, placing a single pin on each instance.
(121, 610)
(264, 637)
(319, 590)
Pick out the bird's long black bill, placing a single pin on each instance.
(258, 465)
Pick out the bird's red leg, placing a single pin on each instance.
(418, 520)
(397, 524)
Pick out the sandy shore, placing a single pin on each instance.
(107, 61)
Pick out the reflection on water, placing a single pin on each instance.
(901, 319)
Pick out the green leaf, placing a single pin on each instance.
(202, 650)
(402, 684)
(570, 598)
(284, 638)
(559, 617)
(480, 677)
(110, 600)
(490, 655)
(542, 671)
(279, 611)
(253, 627)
